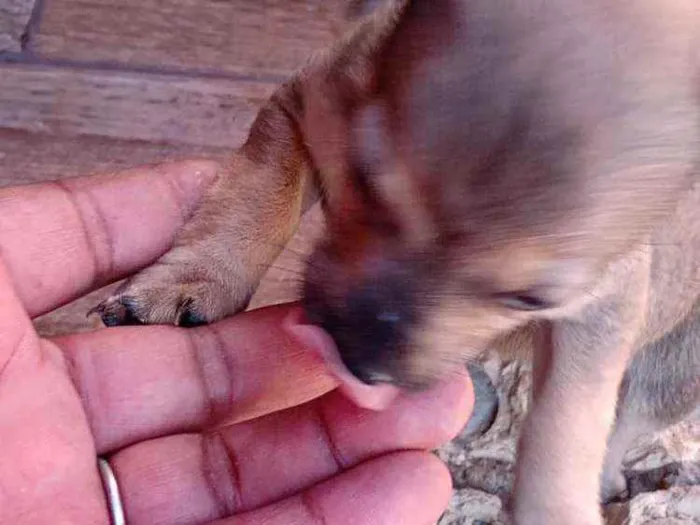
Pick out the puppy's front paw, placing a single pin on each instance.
(184, 305)
(175, 290)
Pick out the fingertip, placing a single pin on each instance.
(200, 171)
(435, 469)
(415, 485)
(458, 395)
(190, 178)
(435, 484)
(443, 410)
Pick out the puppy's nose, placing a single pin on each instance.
(377, 315)
(369, 325)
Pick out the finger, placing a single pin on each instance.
(245, 466)
(143, 382)
(411, 488)
(61, 239)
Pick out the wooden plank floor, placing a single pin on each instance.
(175, 109)
(246, 37)
(90, 86)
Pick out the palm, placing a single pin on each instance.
(181, 414)
(47, 447)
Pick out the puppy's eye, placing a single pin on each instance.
(525, 301)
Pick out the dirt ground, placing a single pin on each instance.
(663, 471)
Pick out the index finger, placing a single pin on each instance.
(62, 239)
(139, 383)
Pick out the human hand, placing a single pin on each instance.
(230, 424)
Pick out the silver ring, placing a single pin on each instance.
(114, 500)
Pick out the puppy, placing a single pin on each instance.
(491, 171)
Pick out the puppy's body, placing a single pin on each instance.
(487, 168)
(661, 385)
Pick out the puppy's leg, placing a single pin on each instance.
(661, 387)
(578, 370)
(243, 221)
(628, 428)
(254, 207)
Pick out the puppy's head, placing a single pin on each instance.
(505, 157)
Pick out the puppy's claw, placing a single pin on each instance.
(188, 317)
(117, 311)
(131, 306)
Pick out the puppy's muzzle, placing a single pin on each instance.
(370, 325)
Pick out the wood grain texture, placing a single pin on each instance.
(14, 17)
(155, 108)
(249, 37)
(26, 157)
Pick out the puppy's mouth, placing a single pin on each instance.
(375, 396)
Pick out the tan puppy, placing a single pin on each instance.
(491, 170)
